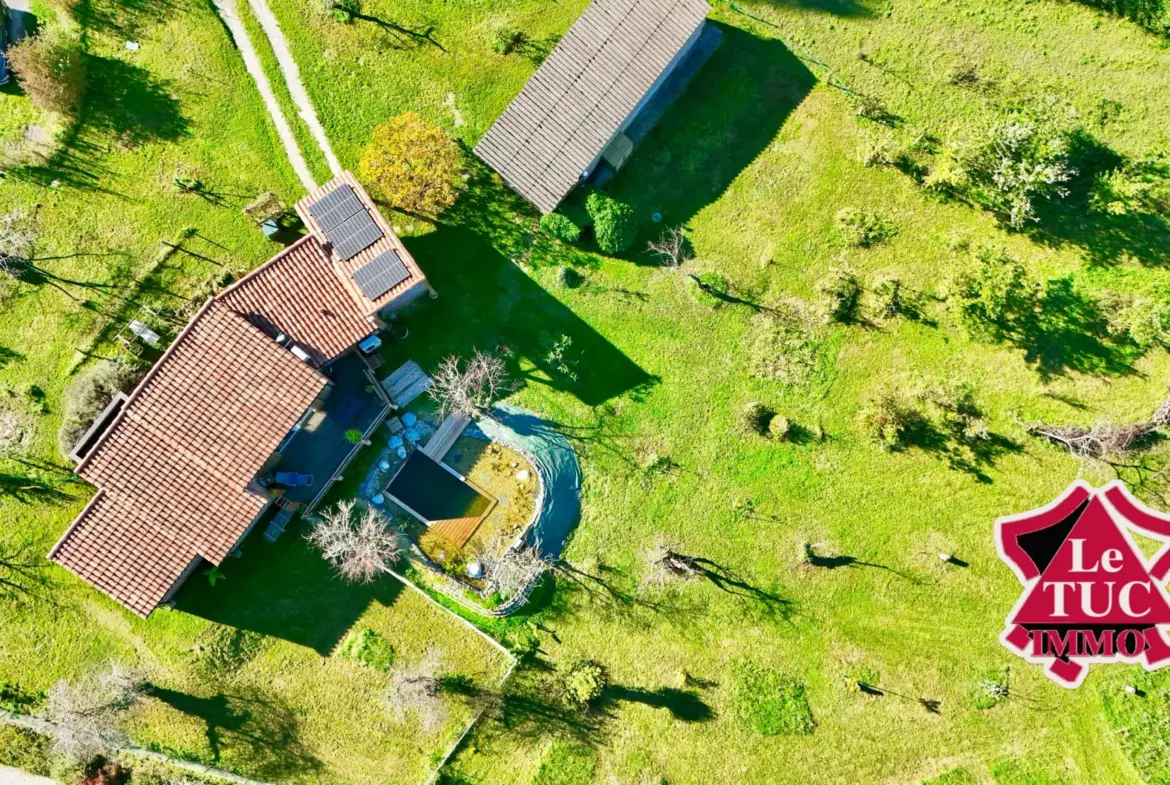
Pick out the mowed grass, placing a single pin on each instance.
(756, 163)
(282, 708)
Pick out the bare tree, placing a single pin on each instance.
(672, 248)
(359, 541)
(664, 565)
(1102, 440)
(510, 571)
(469, 387)
(86, 716)
(418, 690)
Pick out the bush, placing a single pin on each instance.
(988, 689)
(756, 417)
(582, 682)
(22, 749)
(614, 227)
(782, 343)
(780, 428)
(369, 648)
(888, 299)
(889, 419)
(507, 39)
(87, 396)
(861, 229)
(51, 69)
(567, 277)
(996, 296)
(343, 11)
(1138, 187)
(413, 165)
(1153, 15)
(841, 292)
(1018, 162)
(560, 227)
(771, 704)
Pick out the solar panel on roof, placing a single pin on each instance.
(355, 234)
(333, 208)
(381, 274)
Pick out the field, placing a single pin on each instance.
(822, 551)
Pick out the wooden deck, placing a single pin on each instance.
(445, 436)
(406, 383)
(458, 530)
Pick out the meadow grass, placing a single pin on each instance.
(756, 162)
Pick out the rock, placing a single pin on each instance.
(523, 475)
(474, 570)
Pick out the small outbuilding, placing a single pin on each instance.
(597, 94)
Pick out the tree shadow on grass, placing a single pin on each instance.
(123, 18)
(28, 489)
(834, 7)
(730, 113)
(814, 559)
(1108, 238)
(972, 455)
(400, 36)
(124, 105)
(258, 730)
(285, 590)
(684, 705)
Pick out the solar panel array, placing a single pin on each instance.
(334, 207)
(381, 274)
(348, 226)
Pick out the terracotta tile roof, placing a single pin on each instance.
(299, 293)
(584, 91)
(174, 466)
(414, 284)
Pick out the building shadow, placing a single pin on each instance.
(487, 302)
(285, 590)
(255, 728)
(732, 111)
(834, 7)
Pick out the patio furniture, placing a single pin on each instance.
(279, 522)
(406, 383)
(294, 479)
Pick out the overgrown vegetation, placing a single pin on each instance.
(614, 227)
(88, 395)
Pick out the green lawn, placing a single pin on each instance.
(756, 162)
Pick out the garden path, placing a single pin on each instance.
(231, 19)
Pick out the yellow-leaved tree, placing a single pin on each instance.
(413, 165)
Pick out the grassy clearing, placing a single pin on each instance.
(757, 164)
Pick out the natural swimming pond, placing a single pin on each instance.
(439, 497)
